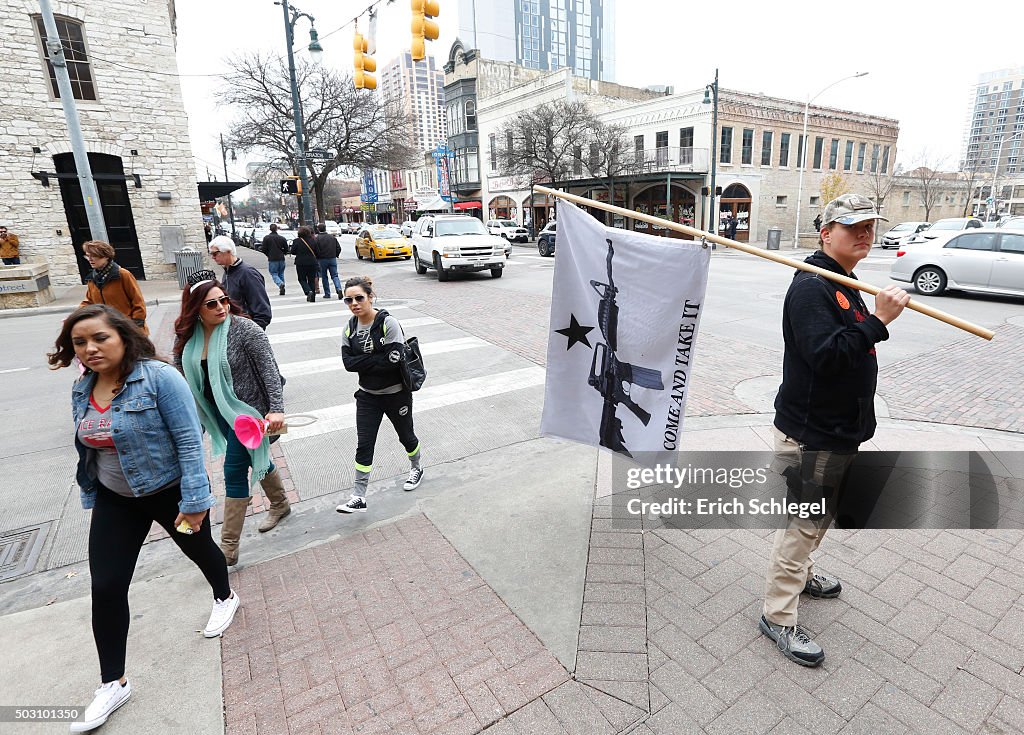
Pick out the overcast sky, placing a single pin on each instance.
(920, 62)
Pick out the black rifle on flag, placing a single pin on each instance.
(611, 377)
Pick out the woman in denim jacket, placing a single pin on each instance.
(140, 459)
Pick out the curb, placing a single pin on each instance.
(56, 309)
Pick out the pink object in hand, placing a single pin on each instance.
(250, 430)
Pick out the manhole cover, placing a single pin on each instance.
(19, 550)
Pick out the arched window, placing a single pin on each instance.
(72, 38)
(470, 115)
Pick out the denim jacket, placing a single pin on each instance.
(156, 431)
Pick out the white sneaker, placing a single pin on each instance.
(108, 698)
(222, 614)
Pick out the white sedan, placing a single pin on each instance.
(982, 260)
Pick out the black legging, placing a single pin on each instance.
(308, 275)
(118, 529)
(370, 409)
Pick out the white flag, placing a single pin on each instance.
(625, 311)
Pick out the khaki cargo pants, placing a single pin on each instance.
(790, 564)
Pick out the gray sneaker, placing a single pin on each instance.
(823, 586)
(794, 643)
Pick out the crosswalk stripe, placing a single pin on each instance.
(342, 314)
(309, 334)
(305, 304)
(315, 367)
(338, 418)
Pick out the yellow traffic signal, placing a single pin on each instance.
(364, 64)
(423, 29)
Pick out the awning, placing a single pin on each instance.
(461, 206)
(214, 189)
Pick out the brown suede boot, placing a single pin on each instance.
(273, 488)
(231, 531)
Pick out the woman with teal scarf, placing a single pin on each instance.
(230, 368)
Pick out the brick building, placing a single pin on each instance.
(123, 70)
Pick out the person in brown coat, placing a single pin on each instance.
(113, 285)
(9, 247)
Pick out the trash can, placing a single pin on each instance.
(774, 238)
(187, 262)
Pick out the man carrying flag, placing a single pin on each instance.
(824, 409)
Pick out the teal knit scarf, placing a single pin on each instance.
(228, 405)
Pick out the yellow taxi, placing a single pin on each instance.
(379, 242)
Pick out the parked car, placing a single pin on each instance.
(407, 227)
(333, 228)
(953, 224)
(380, 242)
(456, 242)
(1013, 223)
(901, 233)
(509, 230)
(983, 260)
(546, 240)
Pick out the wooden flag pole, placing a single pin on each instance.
(768, 255)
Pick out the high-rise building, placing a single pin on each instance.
(418, 86)
(543, 34)
(994, 131)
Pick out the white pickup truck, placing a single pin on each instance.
(456, 242)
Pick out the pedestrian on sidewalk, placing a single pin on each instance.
(242, 282)
(110, 284)
(275, 248)
(373, 345)
(306, 265)
(140, 460)
(9, 245)
(824, 409)
(327, 251)
(230, 368)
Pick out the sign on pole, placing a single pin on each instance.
(369, 193)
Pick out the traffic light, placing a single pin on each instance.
(364, 64)
(291, 185)
(423, 29)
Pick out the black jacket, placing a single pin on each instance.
(246, 286)
(378, 369)
(327, 246)
(304, 252)
(274, 246)
(829, 371)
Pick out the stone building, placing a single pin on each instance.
(757, 149)
(123, 69)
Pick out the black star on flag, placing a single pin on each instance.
(575, 332)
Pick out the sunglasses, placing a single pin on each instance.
(212, 303)
(358, 298)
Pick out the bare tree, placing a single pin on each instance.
(878, 186)
(609, 156)
(356, 126)
(928, 177)
(970, 176)
(541, 142)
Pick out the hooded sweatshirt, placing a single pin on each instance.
(829, 371)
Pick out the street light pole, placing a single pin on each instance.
(55, 50)
(291, 17)
(231, 209)
(803, 153)
(712, 89)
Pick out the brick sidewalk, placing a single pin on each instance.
(387, 631)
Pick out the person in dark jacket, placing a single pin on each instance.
(243, 282)
(824, 409)
(372, 345)
(306, 267)
(327, 251)
(275, 248)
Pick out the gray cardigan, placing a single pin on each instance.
(254, 371)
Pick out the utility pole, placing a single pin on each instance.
(55, 50)
(291, 17)
(224, 156)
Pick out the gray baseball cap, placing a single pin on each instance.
(849, 209)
